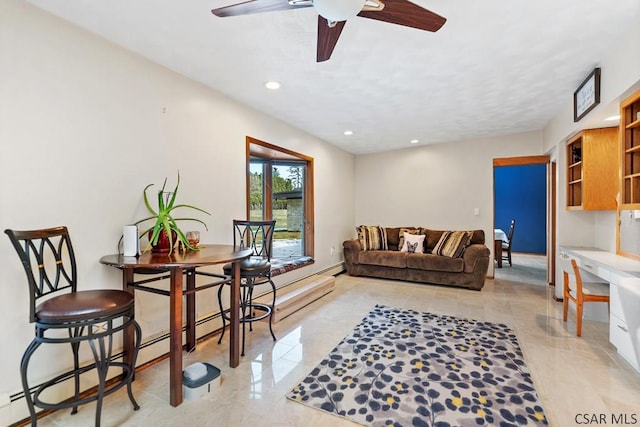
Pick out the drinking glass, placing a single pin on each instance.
(193, 237)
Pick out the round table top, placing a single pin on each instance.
(206, 255)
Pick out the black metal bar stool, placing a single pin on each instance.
(72, 317)
(255, 270)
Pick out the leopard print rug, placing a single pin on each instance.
(404, 368)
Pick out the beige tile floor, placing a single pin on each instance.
(525, 268)
(572, 375)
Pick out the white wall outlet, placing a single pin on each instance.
(333, 249)
(476, 211)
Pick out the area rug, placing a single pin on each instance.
(405, 368)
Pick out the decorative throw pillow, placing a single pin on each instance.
(413, 243)
(452, 243)
(372, 237)
(401, 233)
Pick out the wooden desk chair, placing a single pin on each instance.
(255, 270)
(506, 246)
(579, 292)
(71, 317)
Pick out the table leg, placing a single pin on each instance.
(497, 249)
(191, 310)
(175, 337)
(127, 333)
(234, 313)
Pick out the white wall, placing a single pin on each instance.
(436, 186)
(620, 77)
(85, 125)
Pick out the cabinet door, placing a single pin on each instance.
(600, 169)
(593, 170)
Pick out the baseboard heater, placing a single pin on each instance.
(292, 298)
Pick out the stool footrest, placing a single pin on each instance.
(111, 388)
(266, 309)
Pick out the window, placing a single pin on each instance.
(280, 187)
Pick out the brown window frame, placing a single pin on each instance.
(270, 152)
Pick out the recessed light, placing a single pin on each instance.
(612, 118)
(348, 132)
(272, 85)
(414, 141)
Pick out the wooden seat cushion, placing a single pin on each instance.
(84, 305)
(250, 267)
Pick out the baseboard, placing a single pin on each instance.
(333, 270)
(302, 294)
(298, 295)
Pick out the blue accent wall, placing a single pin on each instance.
(520, 194)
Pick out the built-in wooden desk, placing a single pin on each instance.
(623, 275)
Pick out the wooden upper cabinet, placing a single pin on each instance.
(630, 147)
(593, 170)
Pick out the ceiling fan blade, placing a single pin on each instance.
(327, 38)
(403, 12)
(258, 6)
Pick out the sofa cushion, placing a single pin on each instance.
(452, 243)
(430, 262)
(413, 243)
(384, 258)
(433, 236)
(372, 237)
(477, 237)
(394, 233)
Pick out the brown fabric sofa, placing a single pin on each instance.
(468, 271)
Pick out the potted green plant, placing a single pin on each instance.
(166, 224)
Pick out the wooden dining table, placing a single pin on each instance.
(155, 267)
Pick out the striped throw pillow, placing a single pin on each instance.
(372, 237)
(452, 243)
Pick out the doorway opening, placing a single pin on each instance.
(522, 193)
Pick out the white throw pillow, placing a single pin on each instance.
(413, 243)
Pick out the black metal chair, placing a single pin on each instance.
(506, 246)
(93, 316)
(255, 270)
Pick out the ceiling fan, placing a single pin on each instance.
(333, 14)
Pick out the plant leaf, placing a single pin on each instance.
(191, 219)
(175, 193)
(145, 219)
(146, 200)
(189, 206)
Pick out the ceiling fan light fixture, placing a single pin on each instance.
(338, 10)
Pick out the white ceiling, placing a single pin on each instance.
(496, 67)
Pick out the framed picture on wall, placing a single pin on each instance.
(587, 96)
